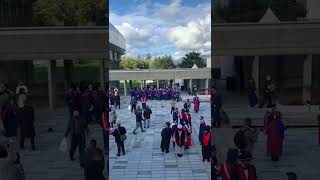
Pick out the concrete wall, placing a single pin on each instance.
(250, 39)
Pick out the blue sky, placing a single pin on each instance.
(160, 27)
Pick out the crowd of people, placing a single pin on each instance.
(88, 104)
(152, 93)
(239, 148)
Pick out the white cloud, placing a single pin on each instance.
(196, 35)
(157, 25)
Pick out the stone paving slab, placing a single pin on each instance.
(301, 151)
(145, 157)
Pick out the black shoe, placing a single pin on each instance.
(124, 153)
(118, 155)
(167, 152)
(134, 132)
(144, 127)
(143, 131)
(72, 159)
(82, 165)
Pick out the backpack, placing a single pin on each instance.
(240, 139)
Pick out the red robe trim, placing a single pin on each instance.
(251, 173)
(206, 138)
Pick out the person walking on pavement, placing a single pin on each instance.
(228, 169)
(165, 138)
(147, 114)
(25, 118)
(245, 169)
(117, 99)
(206, 144)
(246, 137)
(113, 117)
(95, 163)
(173, 105)
(180, 139)
(120, 136)
(133, 104)
(105, 128)
(77, 128)
(10, 165)
(139, 120)
(216, 105)
(268, 92)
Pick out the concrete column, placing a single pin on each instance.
(256, 73)
(52, 83)
(207, 87)
(68, 69)
(157, 84)
(190, 84)
(141, 84)
(102, 75)
(307, 78)
(125, 88)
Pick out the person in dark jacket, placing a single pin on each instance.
(120, 136)
(206, 144)
(252, 93)
(175, 115)
(133, 104)
(117, 99)
(25, 117)
(139, 120)
(165, 138)
(76, 129)
(9, 118)
(146, 114)
(95, 166)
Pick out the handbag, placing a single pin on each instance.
(122, 137)
(64, 146)
(129, 107)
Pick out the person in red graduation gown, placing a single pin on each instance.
(196, 103)
(206, 145)
(188, 130)
(246, 170)
(275, 132)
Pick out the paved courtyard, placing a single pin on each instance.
(144, 159)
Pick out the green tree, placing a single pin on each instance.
(134, 63)
(165, 62)
(69, 12)
(192, 58)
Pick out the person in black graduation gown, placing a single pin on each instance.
(165, 138)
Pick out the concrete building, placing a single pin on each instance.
(117, 48)
(288, 51)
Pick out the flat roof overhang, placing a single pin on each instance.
(160, 74)
(49, 43)
(253, 39)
